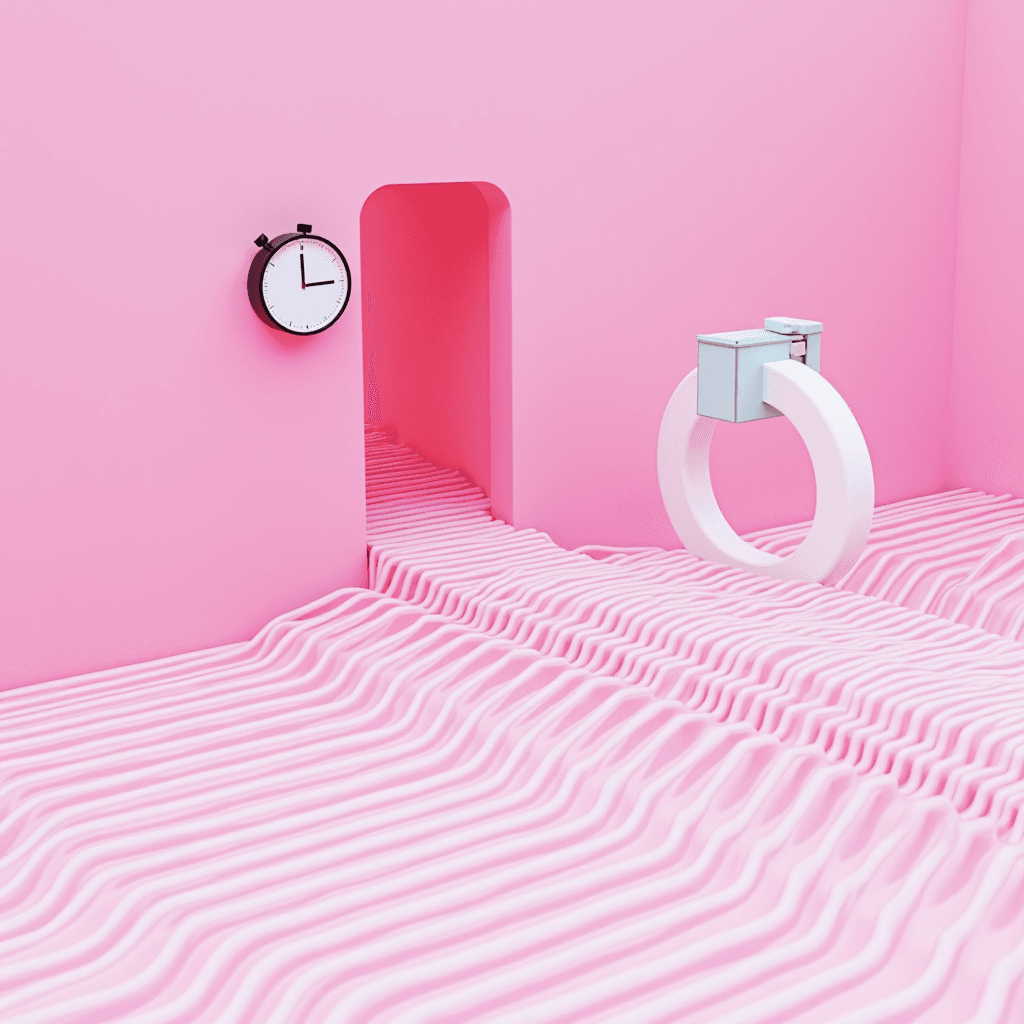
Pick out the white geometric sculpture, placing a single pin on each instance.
(729, 365)
(762, 382)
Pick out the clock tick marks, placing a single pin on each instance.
(273, 296)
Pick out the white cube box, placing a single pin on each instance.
(730, 378)
(809, 330)
(730, 381)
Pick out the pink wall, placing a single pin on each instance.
(766, 156)
(499, 268)
(987, 396)
(173, 473)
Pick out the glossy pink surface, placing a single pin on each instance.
(526, 784)
(174, 475)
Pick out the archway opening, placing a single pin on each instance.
(436, 283)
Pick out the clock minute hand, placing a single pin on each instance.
(302, 268)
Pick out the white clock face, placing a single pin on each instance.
(305, 285)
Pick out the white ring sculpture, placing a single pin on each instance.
(842, 472)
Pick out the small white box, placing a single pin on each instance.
(810, 330)
(730, 378)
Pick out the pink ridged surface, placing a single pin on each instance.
(933, 704)
(526, 784)
(959, 555)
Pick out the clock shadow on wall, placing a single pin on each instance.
(436, 300)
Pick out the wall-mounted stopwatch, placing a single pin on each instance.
(299, 282)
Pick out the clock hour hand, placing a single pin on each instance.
(302, 271)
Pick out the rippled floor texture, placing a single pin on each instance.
(515, 783)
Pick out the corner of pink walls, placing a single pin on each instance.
(987, 393)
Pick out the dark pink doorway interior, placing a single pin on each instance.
(436, 282)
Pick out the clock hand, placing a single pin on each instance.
(302, 268)
(313, 284)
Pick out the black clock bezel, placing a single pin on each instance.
(255, 282)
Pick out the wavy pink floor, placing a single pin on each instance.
(515, 783)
